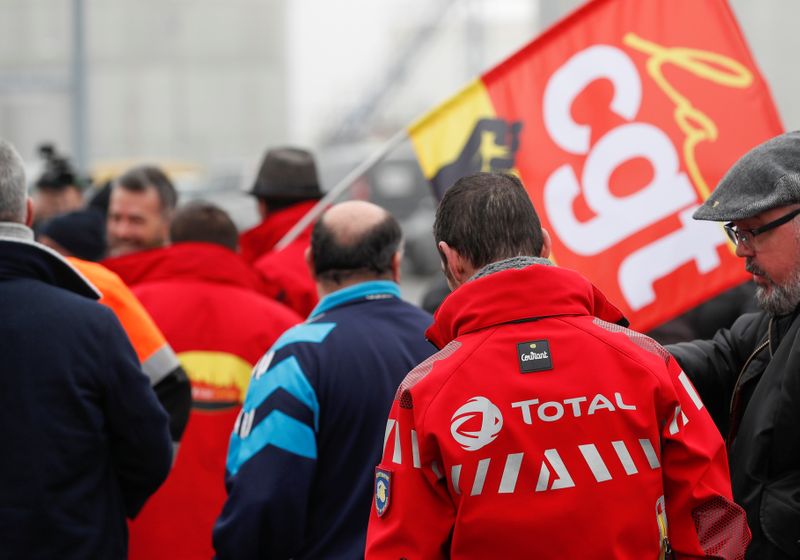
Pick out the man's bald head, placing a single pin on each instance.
(349, 221)
(354, 240)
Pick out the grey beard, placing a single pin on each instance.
(781, 299)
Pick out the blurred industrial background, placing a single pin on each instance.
(205, 86)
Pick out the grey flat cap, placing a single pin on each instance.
(766, 177)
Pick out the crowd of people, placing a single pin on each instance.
(173, 388)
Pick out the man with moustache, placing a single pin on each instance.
(749, 375)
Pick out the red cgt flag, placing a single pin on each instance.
(619, 120)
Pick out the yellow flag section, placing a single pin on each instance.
(444, 138)
(219, 379)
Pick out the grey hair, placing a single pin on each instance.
(13, 196)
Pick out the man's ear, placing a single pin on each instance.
(546, 244)
(29, 212)
(458, 268)
(397, 260)
(309, 258)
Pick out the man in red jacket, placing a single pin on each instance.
(543, 428)
(286, 189)
(203, 297)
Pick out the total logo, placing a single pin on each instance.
(478, 411)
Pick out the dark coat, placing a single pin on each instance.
(84, 439)
(749, 378)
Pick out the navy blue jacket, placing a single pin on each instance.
(303, 453)
(84, 440)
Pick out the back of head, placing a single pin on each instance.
(81, 233)
(354, 239)
(488, 217)
(100, 198)
(139, 179)
(13, 195)
(287, 176)
(202, 221)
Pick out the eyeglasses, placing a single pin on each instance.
(746, 237)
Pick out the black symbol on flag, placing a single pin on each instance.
(492, 146)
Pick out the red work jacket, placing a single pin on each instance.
(543, 429)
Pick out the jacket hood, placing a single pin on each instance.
(22, 257)
(205, 262)
(526, 294)
(262, 238)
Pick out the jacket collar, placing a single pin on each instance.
(22, 257)
(515, 295)
(204, 262)
(263, 237)
(15, 232)
(375, 289)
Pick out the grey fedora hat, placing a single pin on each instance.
(287, 174)
(766, 177)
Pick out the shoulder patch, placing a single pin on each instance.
(383, 490)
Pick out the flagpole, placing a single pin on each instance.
(342, 186)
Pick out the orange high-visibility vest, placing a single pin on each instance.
(155, 354)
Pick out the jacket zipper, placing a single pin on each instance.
(747, 363)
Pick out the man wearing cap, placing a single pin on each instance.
(749, 375)
(286, 189)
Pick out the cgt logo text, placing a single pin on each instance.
(669, 193)
(479, 421)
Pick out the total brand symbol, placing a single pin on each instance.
(491, 422)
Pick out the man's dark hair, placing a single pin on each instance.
(488, 217)
(371, 253)
(202, 221)
(139, 179)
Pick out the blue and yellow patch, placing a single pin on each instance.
(383, 486)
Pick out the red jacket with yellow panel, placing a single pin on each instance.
(203, 298)
(544, 429)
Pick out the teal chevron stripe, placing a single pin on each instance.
(286, 375)
(304, 332)
(277, 429)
